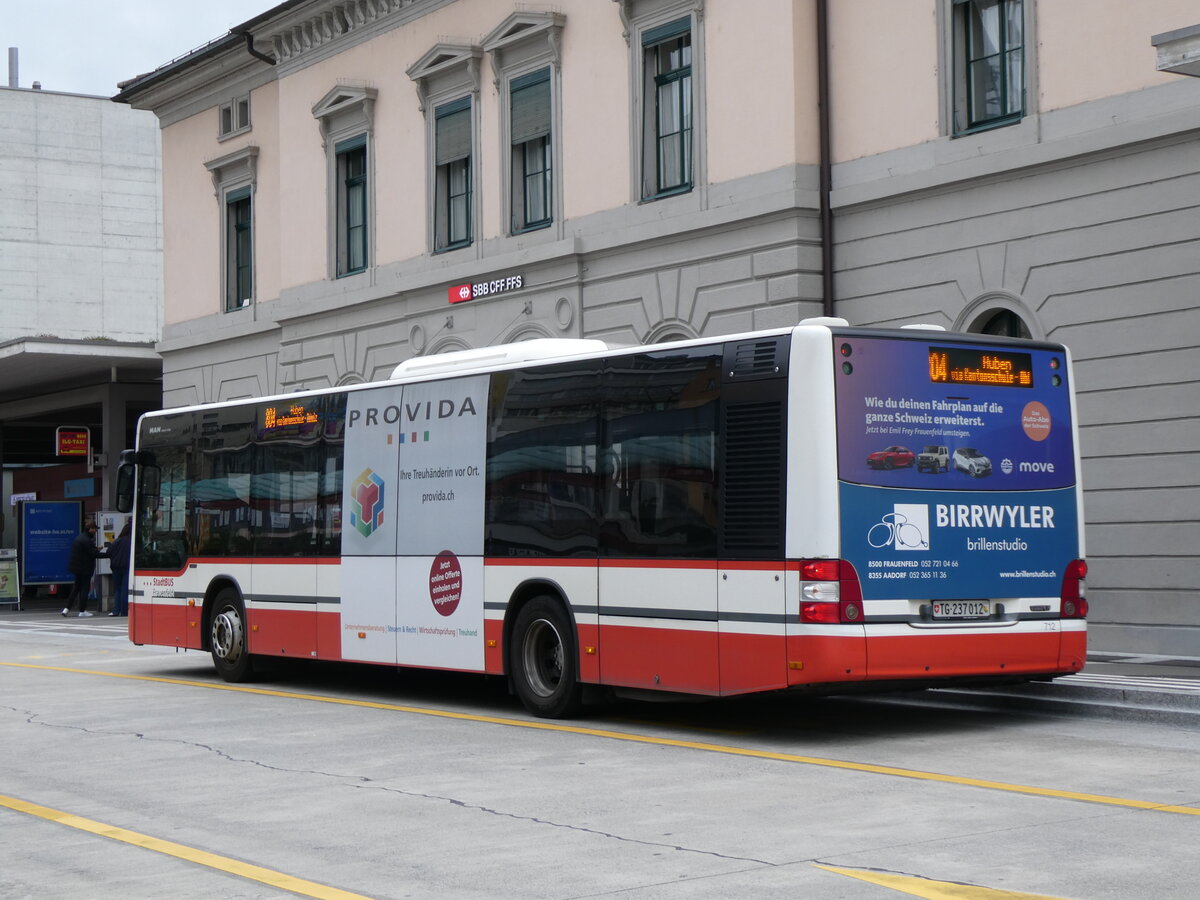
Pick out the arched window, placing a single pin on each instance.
(999, 313)
(1003, 323)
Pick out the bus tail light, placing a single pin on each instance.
(830, 592)
(1074, 600)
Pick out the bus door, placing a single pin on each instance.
(281, 530)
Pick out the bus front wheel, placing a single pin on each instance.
(230, 651)
(544, 660)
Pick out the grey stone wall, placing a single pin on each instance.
(80, 218)
(1095, 243)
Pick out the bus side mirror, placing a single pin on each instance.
(125, 476)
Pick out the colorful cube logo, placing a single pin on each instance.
(366, 507)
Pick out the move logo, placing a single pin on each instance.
(366, 503)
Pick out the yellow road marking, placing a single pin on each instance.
(561, 727)
(189, 854)
(933, 890)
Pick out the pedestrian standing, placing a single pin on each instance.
(82, 565)
(118, 558)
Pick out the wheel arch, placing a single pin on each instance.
(520, 597)
(215, 586)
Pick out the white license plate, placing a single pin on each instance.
(962, 609)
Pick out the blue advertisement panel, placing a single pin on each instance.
(957, 545)
(956, 467)
(47, 530)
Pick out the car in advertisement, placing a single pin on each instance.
(971, 461)
(934, 458)
(893, 457)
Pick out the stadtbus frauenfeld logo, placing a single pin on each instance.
(366, 507)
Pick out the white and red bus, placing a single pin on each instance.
(821, 507)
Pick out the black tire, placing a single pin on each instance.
(889, 463)
(545, 661)
(228, 637)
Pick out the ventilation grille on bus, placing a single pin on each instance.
(752, 494)
(762, 358)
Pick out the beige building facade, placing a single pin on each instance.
(351, 183)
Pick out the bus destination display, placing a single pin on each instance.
(296, 414)
(967, 365)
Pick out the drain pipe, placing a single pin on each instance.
(257, 54)
(826, 164)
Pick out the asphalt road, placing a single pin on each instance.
(135, 772)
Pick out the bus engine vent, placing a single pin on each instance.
(761, 358)
(752, 488)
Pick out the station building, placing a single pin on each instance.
(351, 183)
(80, 292)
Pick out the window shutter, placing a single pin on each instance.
(453, 131)
(665, 32)
(531, 107)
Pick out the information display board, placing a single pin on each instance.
(47, 529)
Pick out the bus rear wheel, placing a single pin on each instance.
(230, 650)
(544, 660)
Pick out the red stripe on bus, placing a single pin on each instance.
(943, 655)
(537, 561)
(747, 565)
(703, 565)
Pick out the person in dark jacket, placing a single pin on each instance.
(118, 558)
(82, 564)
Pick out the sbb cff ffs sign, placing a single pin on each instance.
(462, 292)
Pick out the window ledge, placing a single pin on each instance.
(673, 192)
(990, 125)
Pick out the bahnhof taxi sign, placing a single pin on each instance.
(72, 441)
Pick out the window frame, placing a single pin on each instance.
(520, 174)
(964, 16)
(238, 262)
(649, 24)
(233, 117)
(352, 180)
(346, 117)
(447, 76)
(525, 50)
(235, 178)
(678, 81)
(452, 230)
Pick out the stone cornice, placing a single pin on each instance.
(298, 35)
(319, 26)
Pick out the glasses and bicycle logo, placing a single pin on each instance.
(906, 527)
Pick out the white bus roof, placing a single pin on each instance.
(486, 357)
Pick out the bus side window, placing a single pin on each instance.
(661, 422)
